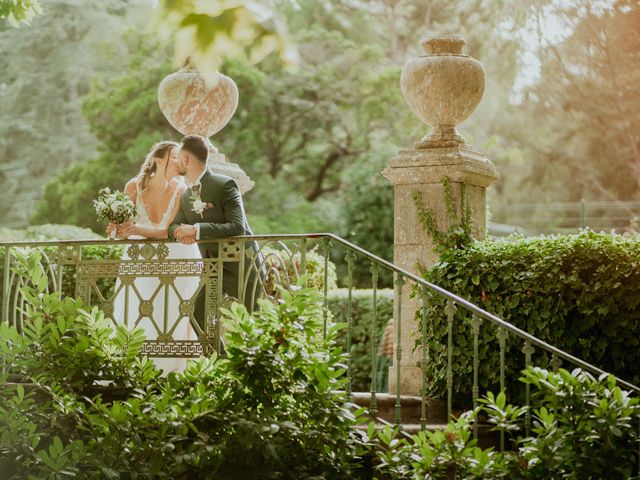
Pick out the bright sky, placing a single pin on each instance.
(552, 29)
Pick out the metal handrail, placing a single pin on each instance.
(483, 313)
(380, 261)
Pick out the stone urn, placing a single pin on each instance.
(196, 104)
(443, 88)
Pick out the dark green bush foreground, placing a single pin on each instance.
(269, 410)
(583, 429)
(580, 293)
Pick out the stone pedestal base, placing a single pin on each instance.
(410, 380)
(421, 171)
(218, 164)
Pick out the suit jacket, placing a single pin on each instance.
(224, 218)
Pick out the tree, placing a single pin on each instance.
(46, 71)
(308, 126)
(123, 114)
(306, 136)
(207, 31)
(18, 12)
(584, 142)
(368, 216)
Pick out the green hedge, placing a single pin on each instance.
(362, 309)
(580, 293)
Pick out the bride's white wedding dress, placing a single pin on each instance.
(164, 318)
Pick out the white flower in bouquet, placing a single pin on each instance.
(115, 206)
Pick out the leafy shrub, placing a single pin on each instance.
(271, 409)
(580, 293)
(449, 453)
(284, 268)
(62, 342)
(362, 311)
(582, 428)
(47, 256)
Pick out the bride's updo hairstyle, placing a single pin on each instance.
(148, 169)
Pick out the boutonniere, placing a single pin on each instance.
(199, 206)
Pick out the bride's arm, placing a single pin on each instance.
(145, 231)
(129, 228)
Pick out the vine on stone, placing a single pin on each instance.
(458, 235)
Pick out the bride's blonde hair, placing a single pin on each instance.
(148, 169)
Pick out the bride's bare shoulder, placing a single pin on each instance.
(131, 186)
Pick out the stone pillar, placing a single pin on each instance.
(197, 104)
(442, 88)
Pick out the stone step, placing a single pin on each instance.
(410, 407)
(410, 414)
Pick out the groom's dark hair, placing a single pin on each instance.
(197, 145)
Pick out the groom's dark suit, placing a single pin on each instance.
(224, 217)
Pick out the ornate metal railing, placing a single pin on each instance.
(268, 260)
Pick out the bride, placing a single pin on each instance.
(156, 193)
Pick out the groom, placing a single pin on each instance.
(211, 208)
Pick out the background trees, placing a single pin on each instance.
(78, 97)
(587, 95)
(46, 71)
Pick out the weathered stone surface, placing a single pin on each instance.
(419, 171)
(459, 163)
(443, 88)
(199, 105)
(203, 105)
(218, 164)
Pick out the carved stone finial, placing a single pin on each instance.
(443, 88)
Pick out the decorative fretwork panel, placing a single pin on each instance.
(132, 283)
(173, 348)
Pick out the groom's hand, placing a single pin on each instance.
(185, 234)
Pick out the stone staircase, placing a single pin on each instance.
(411, 412)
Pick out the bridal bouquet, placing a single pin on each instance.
(115, 206)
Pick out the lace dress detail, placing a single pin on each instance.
(167, 318)
(142, 214)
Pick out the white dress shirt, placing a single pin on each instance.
(197, 225)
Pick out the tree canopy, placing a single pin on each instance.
(79, 104)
